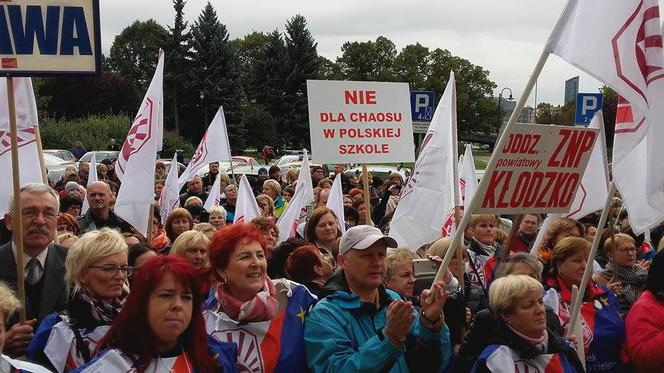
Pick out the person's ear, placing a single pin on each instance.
(318, 270)
(341, 261)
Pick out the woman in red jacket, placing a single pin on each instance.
(645, 322)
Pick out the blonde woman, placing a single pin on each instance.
(193, 247)
(96, 274)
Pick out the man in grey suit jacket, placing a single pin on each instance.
(44, 263)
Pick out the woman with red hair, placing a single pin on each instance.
(264, 317)
(161, 327)
(308, 266)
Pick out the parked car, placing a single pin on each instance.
(65, 155)
(56, 167)
(383, 171)
(238, 161)
(100, 155)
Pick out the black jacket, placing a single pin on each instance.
(483, 331)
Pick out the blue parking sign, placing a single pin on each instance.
(421, 105)
(587, 104)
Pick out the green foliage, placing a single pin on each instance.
(368, 61)
(609, 107)
(178, 53)
(95, 131)
(216, 77)
(135, 50)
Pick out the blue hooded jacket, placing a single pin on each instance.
(344, 334)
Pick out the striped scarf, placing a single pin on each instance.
(262, 307)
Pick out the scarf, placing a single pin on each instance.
(541, 343)
(262, 307)
(100, 311)
(489, 249)
(633, 279)
(160, 241)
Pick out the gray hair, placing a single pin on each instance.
(36, 188)
(218, 209)
(507, 265)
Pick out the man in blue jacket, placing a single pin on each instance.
(363, 327)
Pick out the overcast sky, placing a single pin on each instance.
(505, 37)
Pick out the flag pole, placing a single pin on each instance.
(484, 182)
(457, 197)
(40, 152)
(17, 224)
(367, 202)
(589, 263)
(513, 232)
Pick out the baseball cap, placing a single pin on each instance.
(362, 236)
(262, 170)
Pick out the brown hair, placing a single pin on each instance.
(565, 248)
(174, 215)
(549, 240)
(310, 228)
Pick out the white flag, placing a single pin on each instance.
(289, 221)
(214, 198)
(28, 158)
(137, 159)
(619, 42)
(246, 208)
(214, 147)
(169, 199)
(92, 177)
(304, 180)
(24, 99)
(428, 196)
(468, 180)
(594, 188)
(335, 202)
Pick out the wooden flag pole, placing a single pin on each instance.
(513, 232)
(151, 214)
(17, 224)
(589, 263)
(40, 152)
(367, 202)
(484, 182)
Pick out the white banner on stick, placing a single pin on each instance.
(360, 122)
(539, 170)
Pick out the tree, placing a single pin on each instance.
(216, 76)
(547, 114)
(135, 50)
(301, 65)
(109, 93)
(368, 61)
(476, 111)
(329, 70)
(178, 53)
(250, 51)
(413, 65)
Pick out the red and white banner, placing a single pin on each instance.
(619, 42)
(214, 147)
(169, 199)
(539, 170)
(138, 156)
(360, 122)
(246, 208)
(468, 180)
(24, 99)
(28, 158)
(290, 219)
(304, 180)
(335, 202)
(428, 197)
(214, 197)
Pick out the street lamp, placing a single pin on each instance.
(500, 98)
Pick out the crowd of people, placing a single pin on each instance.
(204, 294)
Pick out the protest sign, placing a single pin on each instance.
(360, 122)
(538, 170)
(50, 38)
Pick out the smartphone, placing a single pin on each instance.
(425, 268)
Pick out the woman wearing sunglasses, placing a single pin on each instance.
(96, 274)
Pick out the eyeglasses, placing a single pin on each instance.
(112, 271)
(626, 250)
